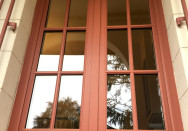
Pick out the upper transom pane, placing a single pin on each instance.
(117, 12)
(78, 13)
(140, 12)
(56, 13)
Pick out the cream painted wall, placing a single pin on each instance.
(178, 40)
(12, 54)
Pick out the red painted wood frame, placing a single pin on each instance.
(93, 111)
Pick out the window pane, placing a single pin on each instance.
(56, 13)
(119, 105)
(140, 12)
(69, 103)
(49, 56)
(78, 13)
(117, 53)
(143, 49)
(148, 99)
(117, 12)
(39, 115)
(74, 51)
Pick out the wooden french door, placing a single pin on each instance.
(139, 74)
(97, 65)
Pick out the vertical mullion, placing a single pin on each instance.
(54, 107)
(64, 36)
(102, 116)
(57, 88)
(134, 107)
(131, 66)
(94, 85)
(85, 106)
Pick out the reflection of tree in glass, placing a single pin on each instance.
(114, 62)
(120, 80)
(119, 114)
(68, 115)
(43, 121)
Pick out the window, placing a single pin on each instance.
(94, 65)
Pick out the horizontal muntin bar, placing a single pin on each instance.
(117, 27)
(146, 71)
(131, 26)
(135, 72)
(66, 28)
(59, 72)
(79, 130)
(132, 130)
(141, 26)
(48, 129)
(119, 72)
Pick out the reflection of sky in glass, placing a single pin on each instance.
(124, 99)
(73, 62)
(43, 93)
(71, 86)
(48, 63)
(70, 63)
(118, 98)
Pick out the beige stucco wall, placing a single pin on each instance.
(178, 40)
(12, 54)
(15, 43)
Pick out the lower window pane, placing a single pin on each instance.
(149, 107)
(69, 103)
(119, 105)
(39, 115)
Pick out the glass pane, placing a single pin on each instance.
(140, 12)
(117, 12)
(49, 56)
(119, 105)
(39, 115)
(143, 49)
(74, 51)
(56, 13)
(149, 107)
(117, 53)
(78, 13)
(69, 103)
